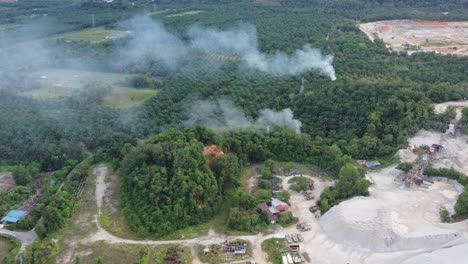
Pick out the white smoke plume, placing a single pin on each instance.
(283, 118)
(153, 39)
(224, 114)
(244, 42)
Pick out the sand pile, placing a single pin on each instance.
(365, 225)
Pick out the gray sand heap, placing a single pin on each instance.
(363, 224)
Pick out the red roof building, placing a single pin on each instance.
(279, 205)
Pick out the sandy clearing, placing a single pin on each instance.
(441, 108)
(415, 35)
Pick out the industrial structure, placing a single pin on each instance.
(415, 176)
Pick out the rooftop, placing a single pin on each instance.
(14, 216)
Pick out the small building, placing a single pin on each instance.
(14, 216)
(372, 164)
(435, 148)
(279, 205)
(272, 212)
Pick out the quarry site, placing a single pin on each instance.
(398, 222)
(415, 35)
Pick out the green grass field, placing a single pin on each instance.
(92, 35)
(5, 247)
(58, 83)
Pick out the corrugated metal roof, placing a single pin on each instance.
(14, 216)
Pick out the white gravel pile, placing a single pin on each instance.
(363, 224)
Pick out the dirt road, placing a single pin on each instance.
(25, 238)
(101, 172)
(441, 108)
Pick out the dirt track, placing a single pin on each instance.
(301, 210)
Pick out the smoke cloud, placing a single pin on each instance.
(153, 39)
(244, 42)
(224, 114)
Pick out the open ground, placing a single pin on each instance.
(57, 83)
(415, 35)
(92, 35)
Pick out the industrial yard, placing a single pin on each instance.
(415, 35)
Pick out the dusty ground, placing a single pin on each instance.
(6, 181)
(416, 35)
(393, 225)
(322, 247)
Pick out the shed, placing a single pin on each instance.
(14, 216)
(271, 212)
(278, 204)
(372, 164)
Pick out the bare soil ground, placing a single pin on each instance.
(417, 35)
(6, 181)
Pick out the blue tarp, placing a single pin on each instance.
(14, 216)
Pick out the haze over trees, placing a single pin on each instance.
(379, 99)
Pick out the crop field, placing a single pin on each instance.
(57, 83)
(416, 35)
(92, 35)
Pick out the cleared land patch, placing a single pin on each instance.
(6, 181)
(92, 35)
(416, 35)
(58, 83)
(188, 13)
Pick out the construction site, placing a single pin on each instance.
(416, 35)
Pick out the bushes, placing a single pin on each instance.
(273, 247)
(405, 166)
(448, 173)
(287, 218)
(350, 183)
(300, 183)
(461, 206)
(444, 214)
(10, 257)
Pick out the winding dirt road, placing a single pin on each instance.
(302, 212)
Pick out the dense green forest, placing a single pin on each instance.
(379, 99)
